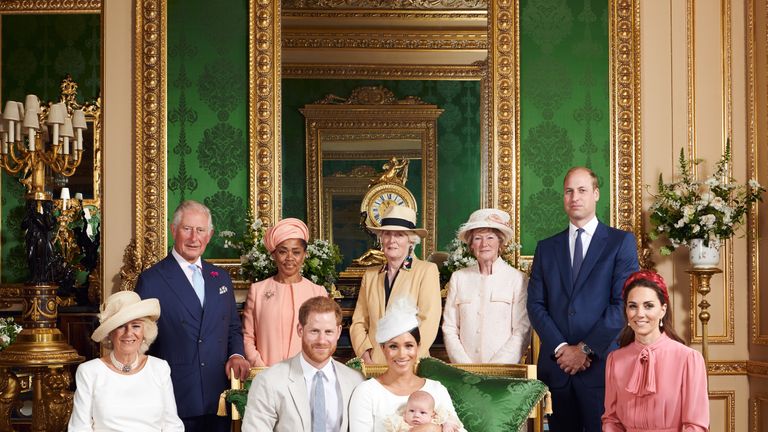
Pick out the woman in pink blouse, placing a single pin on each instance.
(271, 310)
(653, 382)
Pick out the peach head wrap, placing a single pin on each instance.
(289, 228)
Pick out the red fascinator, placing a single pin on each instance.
(646, 275)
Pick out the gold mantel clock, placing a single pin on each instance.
(382, 196)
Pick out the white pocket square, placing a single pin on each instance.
(223, 289)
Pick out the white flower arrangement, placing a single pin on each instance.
(712, 209)
(8, 332)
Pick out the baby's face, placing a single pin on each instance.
(419, 412)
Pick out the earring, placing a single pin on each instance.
(661, 324)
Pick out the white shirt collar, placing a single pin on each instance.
(310, 371)
(589, 228)
(184, 263)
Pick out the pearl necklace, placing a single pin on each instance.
(125, 368)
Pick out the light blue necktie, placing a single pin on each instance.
(198, 283)
(578, 255)
(318, 403)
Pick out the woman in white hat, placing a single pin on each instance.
(374, 402)
(403, 275)
(485, 318)
(125, 390)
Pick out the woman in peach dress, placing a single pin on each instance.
(271, 311)
(653, 382)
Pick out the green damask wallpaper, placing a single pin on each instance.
(208, 112)
(564, 106)
(458, 165)
(37, 53)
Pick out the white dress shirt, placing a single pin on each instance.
(184, 264)
(332, 392)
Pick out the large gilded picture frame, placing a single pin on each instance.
(500, 118)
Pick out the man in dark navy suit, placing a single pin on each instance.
(575, 305)
(200, 335)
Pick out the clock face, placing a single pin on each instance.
(382, 203)
(381, 197)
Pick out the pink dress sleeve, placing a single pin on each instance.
(249, 331)
(611, 421)
(695, 398)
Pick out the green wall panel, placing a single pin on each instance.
(458, 162)
(208, 112)
(564, 106)
(38, 51)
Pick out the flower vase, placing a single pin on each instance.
(703, 256)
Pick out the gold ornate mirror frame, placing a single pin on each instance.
(373, 114)
(500, 116)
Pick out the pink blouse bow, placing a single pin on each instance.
(644, 374)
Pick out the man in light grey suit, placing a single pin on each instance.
(308, 392)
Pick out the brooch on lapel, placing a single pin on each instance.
(268, 294)
(222, 289)
(214, 274)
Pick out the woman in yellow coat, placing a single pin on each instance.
(271, 310)
(403, 275)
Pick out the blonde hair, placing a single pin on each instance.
(150, 334)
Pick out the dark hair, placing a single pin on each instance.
(595, 183)
(319, 304)
(627, 335)
(416, 334)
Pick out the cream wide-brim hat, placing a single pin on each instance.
(399, 218)
(122, 307)
(488, 218)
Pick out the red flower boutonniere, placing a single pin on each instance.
(215, 274)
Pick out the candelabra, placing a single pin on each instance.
(36, 139)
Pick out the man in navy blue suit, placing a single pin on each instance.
(199, 331)
(575, 305)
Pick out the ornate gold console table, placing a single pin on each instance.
(40, 350)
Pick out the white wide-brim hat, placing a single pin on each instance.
(399, 218)
(122, 307)
(401, 317)
(486, 218)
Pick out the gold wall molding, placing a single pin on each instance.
(503, 160)
(757, 421)
(729, 416)
(369, 155)
(148, 243)
(407, 39)
(725, 297)
(626, 151)
(415, 72)
(386, 4)
(264, 128)
(727, 367)
(757, 106)
(51, 6)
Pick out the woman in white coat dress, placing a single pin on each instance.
(485, 318)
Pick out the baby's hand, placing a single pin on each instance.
(450, 427)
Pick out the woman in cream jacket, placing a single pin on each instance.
(485, 318)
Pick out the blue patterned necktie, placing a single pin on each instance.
(578, 255)
(198, 283)
(318, 403)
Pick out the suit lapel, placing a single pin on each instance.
(178, 283)
(562, 250)
(346, 392)
(298, 389)
(211, 292)
(402, 282)
(596, 246)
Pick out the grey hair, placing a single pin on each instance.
(150, 334)
(191, 205)
(413, 238)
